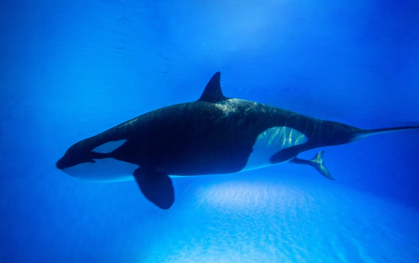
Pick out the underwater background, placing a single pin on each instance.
(72, 69)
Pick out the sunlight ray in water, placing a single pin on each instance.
(267, 221)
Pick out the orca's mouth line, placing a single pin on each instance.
(66, 162)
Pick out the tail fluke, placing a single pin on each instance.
(365, 133)
(316, 162)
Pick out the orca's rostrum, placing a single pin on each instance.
(212, 135)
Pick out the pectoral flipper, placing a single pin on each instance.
(156, 187)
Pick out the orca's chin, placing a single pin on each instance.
(60, 164)
(105, 170)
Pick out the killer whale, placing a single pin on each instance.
(213, 135)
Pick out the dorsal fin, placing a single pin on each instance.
(212, 92)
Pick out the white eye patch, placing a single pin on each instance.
(109, 147)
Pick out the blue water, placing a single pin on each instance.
(70, 70)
